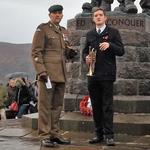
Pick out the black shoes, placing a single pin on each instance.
(110, 142)
(96, 140)
(53, 142)
(60, 140)
(48, 143)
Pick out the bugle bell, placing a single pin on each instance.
(92, 55)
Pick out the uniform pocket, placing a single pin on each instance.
(53, 42)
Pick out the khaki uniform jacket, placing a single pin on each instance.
(48, 48)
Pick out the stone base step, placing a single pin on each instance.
(122, 104)
(133, 124)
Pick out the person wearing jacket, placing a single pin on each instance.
(107, 43)
(48, 49)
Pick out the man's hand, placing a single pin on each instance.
(103, 46)
(88, 60)
(43, 77)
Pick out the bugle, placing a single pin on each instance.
(92, 55)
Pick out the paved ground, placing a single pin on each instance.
(14, 137)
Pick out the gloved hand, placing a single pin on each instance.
(43, 77)
(73, 53)
(70, 53)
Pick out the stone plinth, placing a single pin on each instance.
(133, 124)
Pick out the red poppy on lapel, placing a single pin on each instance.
(105, 37)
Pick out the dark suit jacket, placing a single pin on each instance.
(105, 66)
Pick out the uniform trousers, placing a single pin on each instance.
(49, 107)
(101, 94)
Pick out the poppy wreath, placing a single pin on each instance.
(85, 108)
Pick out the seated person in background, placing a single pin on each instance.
(19, 90)
(23, 97)
(26, 99)
(12, 91)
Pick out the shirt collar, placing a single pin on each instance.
(56, 26)
(101, 28)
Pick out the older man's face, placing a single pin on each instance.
(56, 17)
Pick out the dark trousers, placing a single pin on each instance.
(101, 94)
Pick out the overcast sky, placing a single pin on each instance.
(19, 18)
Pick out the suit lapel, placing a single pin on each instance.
(94, 32)
(105, 32)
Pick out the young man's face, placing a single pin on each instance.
(56, 17)
(99, 18)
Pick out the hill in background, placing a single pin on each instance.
(15, 58)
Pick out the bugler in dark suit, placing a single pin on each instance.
(105, 67)
(108, 45)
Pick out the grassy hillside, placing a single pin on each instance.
(15, 58)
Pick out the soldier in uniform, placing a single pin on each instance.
(48, 48)
(128, 6)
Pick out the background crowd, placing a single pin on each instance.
(17, 97)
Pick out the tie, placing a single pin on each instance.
(99, 31)
(58, 27)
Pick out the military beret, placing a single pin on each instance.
(55, 8)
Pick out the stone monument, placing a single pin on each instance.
(87, 8)
(132, 87)
(105, 4)
(129, 7)
(133, 67)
